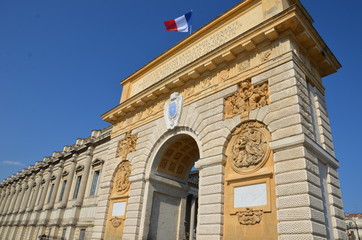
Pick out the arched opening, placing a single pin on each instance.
(173, 190)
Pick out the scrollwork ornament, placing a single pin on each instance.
(250, 216)
(249, 147)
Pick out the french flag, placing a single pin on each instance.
(180, 24)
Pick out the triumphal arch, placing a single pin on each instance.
(224, 136)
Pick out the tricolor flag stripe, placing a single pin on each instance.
(180, 24)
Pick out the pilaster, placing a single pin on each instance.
(211, 197)
(85, 175)
(71, 171)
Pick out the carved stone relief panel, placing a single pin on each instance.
(249, 216)
(249, 147)
(127, 145)
(116, 221)
(247, 98)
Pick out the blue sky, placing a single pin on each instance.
(61, 63)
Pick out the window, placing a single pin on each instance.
(63, 234)
(23, 205)
(50, 193)
(77, 185)
(82, 234)
(62, 190)
(41, 193)
(94, 183)
(31, 198)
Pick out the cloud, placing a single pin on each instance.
(12, 163)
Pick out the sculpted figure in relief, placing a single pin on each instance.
(248, 147)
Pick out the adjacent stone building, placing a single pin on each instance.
(354, 226)
(224, 136)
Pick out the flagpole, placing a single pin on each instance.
(191, 26)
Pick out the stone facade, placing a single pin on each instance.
(241, 103)
(57, 196)
(354, 226)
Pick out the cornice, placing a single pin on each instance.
(50, 163)
(192, 38)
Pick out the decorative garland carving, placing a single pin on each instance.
(250, 216)
(127, 145)
(116, 221)
(247, 98)
(121, 179)
(249, 147)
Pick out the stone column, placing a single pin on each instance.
(35, 193)
(69, 181)
(192, 218)
(27, 194)
(21, 197)
(55, 190)
(211, 197)
(5, 199)
(10, 200)
(15, 198)
(85, 175)
(3, 190)
(45, 185)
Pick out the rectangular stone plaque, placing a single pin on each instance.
(119, 209)
(251, 195)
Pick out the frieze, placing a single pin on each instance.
(127, 145)
(249, 216)
(203, 47)
(208, 82)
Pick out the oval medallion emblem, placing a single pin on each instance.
(172, 109)
(249, 147)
